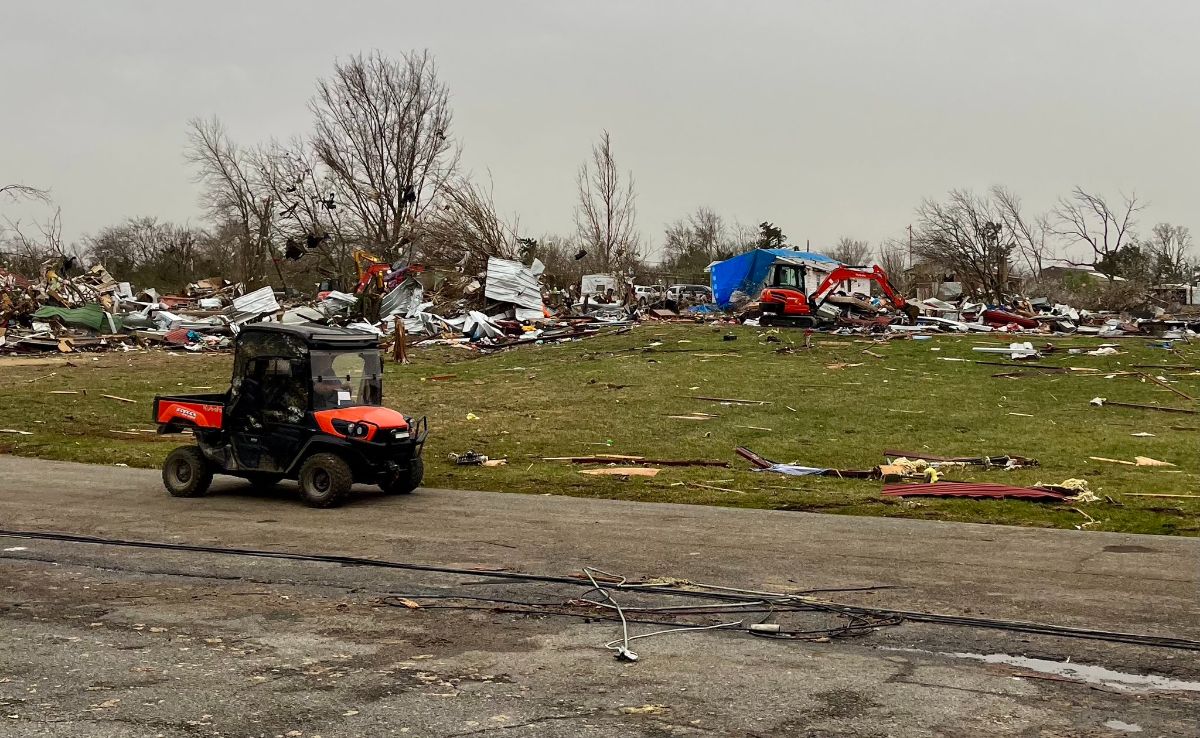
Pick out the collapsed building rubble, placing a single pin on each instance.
(507, 303)
(847, 311)
(501, 308)
(786, 286)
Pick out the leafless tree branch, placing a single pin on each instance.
(233, 193)
(1086, 218)
(605, 216)
(382, 129)
(966, 233)
(850, 251)
(20, 191)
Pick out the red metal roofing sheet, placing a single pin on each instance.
(970, 489)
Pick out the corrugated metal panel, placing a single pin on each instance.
(479, 326)
(404, 300)
(260, 302)
(512, 281)
(529, 315)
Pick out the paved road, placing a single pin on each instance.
(201, 644)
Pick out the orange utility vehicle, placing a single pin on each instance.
(305, 404)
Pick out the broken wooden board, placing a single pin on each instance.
(623, 471)
(1104, 402)
(1137, 461)
(610, 458)
(1147, 461)
(730, 400)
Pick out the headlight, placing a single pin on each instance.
(357, 430)
(399, 435)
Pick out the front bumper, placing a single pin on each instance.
(391, 455)
(418, 429)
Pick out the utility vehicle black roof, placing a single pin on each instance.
(315, 336)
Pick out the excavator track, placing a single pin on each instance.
(787, 321)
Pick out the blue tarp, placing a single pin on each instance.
(747, 272)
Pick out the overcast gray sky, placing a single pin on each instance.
(828, 118)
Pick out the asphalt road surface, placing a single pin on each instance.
(105, 640)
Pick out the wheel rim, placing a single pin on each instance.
(321, 481)
(182, 471)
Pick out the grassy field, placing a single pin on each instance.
(832, 405)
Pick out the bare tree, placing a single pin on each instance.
(1028, 234)
(382, 129)
(690, 244)
(739, 237)
(466, 230)
(150, 252)
(25, 250)
(306, 219)
(20, 249)
(233, 193)
(1169, 249)
(850, 251)
(892, 258)
(606, 213)
(1088, 219)
(566, 262)
(24, 192)
(966, 234)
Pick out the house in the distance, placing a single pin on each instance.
(1057, 269)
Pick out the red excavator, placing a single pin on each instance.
(784, 302)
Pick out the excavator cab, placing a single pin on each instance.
(788, 275)
(783, 299)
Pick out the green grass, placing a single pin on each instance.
(612, 394)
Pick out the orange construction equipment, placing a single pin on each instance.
(370, 269)
(785, 303)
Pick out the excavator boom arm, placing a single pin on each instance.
(844, 273)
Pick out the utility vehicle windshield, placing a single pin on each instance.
(346, 378)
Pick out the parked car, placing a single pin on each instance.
(694, 293)
(647, 293)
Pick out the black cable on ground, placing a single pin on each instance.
(857, 625)
(848, 630)
(722, 593)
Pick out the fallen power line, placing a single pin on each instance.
(863, 618)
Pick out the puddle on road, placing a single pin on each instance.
(1079, 672)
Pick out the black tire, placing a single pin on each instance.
(263, 480)
(406, 481)
(325, 479)
(186, 473)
